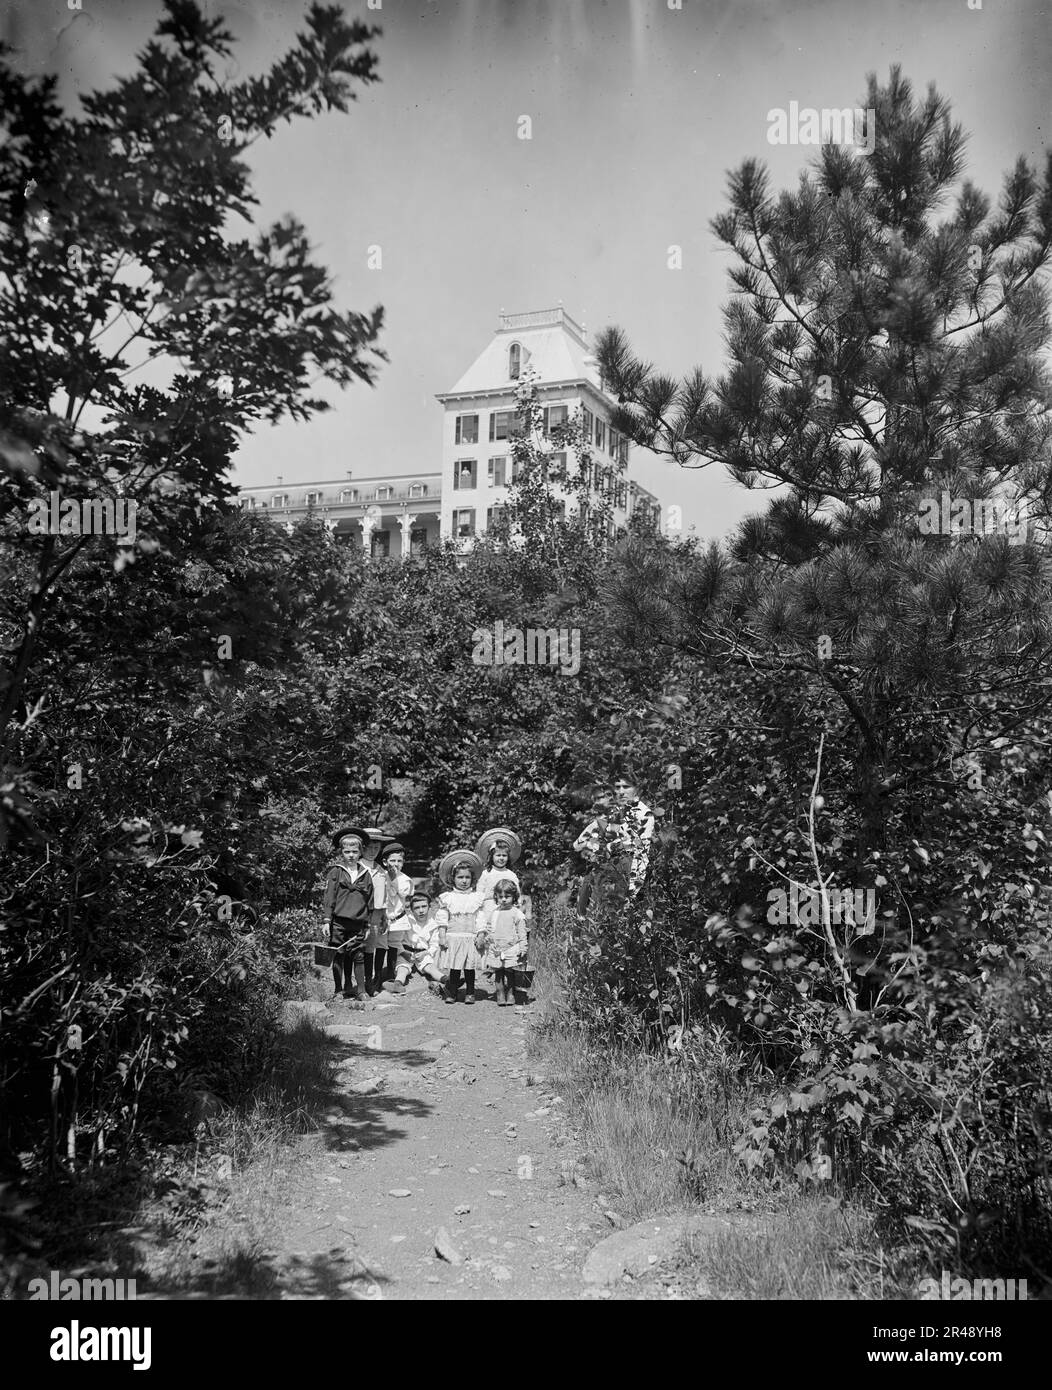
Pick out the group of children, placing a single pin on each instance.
(383, 930)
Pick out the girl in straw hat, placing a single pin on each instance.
(498, 849)
(462, 900)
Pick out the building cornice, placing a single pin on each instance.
(571, 383)
(344, 484)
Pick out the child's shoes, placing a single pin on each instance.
(394, 987)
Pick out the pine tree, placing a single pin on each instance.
(887, 341)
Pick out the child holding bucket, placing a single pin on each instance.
(347, 908)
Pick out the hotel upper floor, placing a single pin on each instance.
(482, 421)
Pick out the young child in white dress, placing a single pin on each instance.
(504, 927)
(500, 849)
(462, 900)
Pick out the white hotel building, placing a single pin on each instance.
(399, 515)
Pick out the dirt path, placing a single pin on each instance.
(456, 1137)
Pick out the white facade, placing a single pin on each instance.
(391, 517)
(479, 419)
(399, 515)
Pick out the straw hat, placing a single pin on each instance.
(362, 835)
(500, 835)
(456, 858)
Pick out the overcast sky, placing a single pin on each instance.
(638, 111)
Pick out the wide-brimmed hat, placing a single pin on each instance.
(354, 830)
(500, 835)
(454, 860)
(393, 848)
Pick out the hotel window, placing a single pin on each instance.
(501, 509)
(501, 424)
(516, 470)
(418, 490)
(587, 424)
(514, 361)
(496, 472)
(464, 522)
(349, 494)
(384, 494)
(600, 434)
(554, 415)
(623, 450)
(557, 468)
(464, 475)
(614, 438)
(417, 540)
(248, 504)
(312, 499)
(281, 499)
(381, 545)
(467, 429)
(622, 494)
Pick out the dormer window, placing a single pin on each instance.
(418, 490)
(312, 499)
(281, 499)
(349, 494)
(384, 494)
(515, 361)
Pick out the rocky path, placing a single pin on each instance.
(438, 1134)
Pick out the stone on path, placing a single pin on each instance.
(445, 1249)
(638, 1249)
(346, 1032)
(399, 1192)
(368, 1086)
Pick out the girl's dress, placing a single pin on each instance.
(489, 878)
(463, 909)
(506, 929)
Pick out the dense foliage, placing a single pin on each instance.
(830, 702)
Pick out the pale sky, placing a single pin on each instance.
(638, 111)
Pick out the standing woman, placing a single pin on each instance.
(617, 845)
(347, 907)
(460, 872)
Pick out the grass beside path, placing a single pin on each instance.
(659, 1138)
